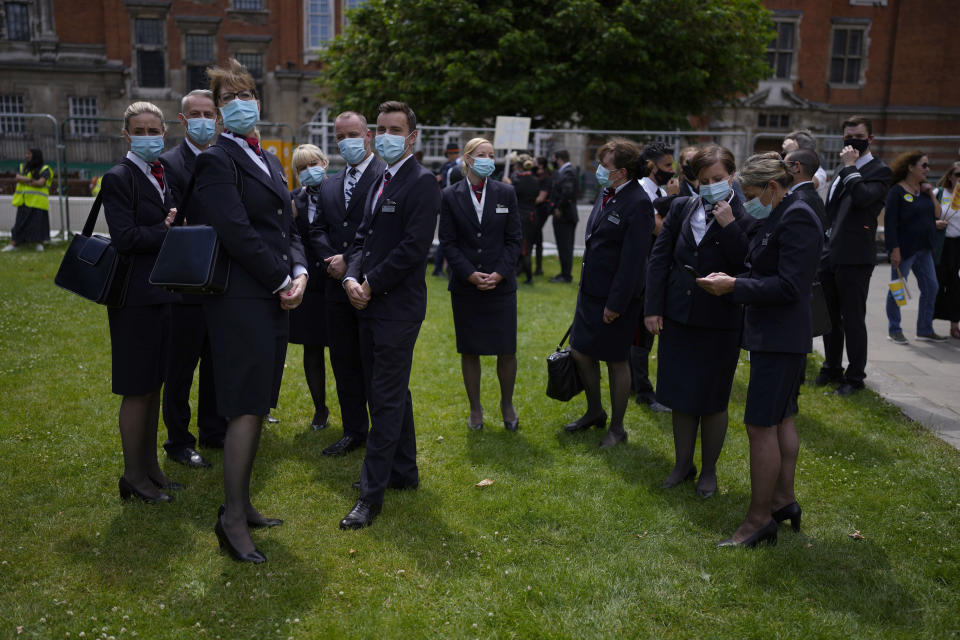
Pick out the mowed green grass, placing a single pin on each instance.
(568, 542)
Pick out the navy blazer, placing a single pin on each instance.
(178, 166)
(391, 245)
(256, 230)
(563, 193)
(491, 245)
(782, 262)
(316, 269)
(852, 213)
(137, 228)
(671, 291)
(335, 226)
(618, 239)
(808, 193)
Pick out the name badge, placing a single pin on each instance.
(614, 218)
(766, 238)
(389, 207)
(502, 209)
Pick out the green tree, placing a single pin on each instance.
(607, 64)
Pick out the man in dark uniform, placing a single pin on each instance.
(854, 201)
(802, 165)
(563, 201)
(339, 213)
(385, 281)
(188, 342)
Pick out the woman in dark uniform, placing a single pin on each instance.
(243, 194)
(135, 202)
(782, 263)
(32, 200)
(699, 334)
(618, 237)
(308, 324)
(527, 187)
(545, 177)
(480, 238)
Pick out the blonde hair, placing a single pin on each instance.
(525, 161)
(140, 108)
(761, 168)
(471, 146)
(307, 152)
(947, 182)
(234, 74)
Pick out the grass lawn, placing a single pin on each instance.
(568, 542)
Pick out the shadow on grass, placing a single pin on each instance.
(512, 452)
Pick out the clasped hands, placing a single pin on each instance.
(359, 294)
(484, 281)
(292, 297)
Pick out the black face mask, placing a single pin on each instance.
(856, 143)
(663, 177)
(688, 173)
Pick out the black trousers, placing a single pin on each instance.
(640, 362)
(563, 233)
(189, 345)
(386, 347)
(343, 336)
(845, 288)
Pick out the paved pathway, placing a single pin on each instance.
(921, 378)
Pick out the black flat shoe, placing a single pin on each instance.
(705, 493)
(511, 425)
(790, 512)
(266, 524)
(343, 446)
(270, 419)
(255, 556)
(612, 439)
(170, 486)
(767, 534)
(128, 491)
(691, 474)
(599, 422)
(475, 427)
(361, 515)
(321, 420)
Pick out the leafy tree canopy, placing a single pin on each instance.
(605, 64)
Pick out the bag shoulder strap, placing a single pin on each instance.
(564, 338)
(182, 205)
(95, 208)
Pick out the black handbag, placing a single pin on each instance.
(191, 259)
(563, 381)
(819, 311)
(92, 267)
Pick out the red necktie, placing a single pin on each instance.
(156, 170)
(254, 144)
(478, 190)
(608, 193)
(383, 185)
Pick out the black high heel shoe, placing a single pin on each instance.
(766, 534)
(128, 491)
(600, 422)
(691, 474)
(255, 556)
(790, 512)
(266, 524)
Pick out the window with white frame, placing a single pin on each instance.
(148, 44)
(781, 51)
(347, 6)
(81, 108)
(848, 52)
(18, 21)
(10, 105)
(319, 23)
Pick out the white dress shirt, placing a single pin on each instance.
(142, 164)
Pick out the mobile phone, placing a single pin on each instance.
(691, 271)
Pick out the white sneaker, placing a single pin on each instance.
(9, 247)
(39, 246)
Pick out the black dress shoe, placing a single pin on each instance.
(600, 422)
(265, 524)
(561, 278)
(211, 443)
(790, 512)
(170, 486)
(269, 418)
(827, 377)
(848, 388)
(188, 456)
(128, 491)
(511, 425)
(691, 474)
(321, 420)
(255, 556)
(343, 446)
(361, 515)
(768, 534)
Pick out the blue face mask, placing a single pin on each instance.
(147, 147)
(352, 150)
(312, 176)
(714, 193)
(240, 116)
(391, 147)
(483, 167)
(603, 176)
(757, 209)
(201, 130)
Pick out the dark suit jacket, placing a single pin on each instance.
(618, 240)
(391, 245)
(808, 193)
(674, 293)
(256, 231)
(178, 166)
(852, 213)
(335, 227)
(782, 262)
(469, 245)
(136, 228)
(563, 194)
(316, 269)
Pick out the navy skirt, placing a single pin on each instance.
(308, 322)
(695, 367)
(248, 342)
(608, 342)
(775, 380)
(485, 322)
(139, 348)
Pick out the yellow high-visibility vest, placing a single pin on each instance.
(31, 196)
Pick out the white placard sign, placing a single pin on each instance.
(511, 133)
